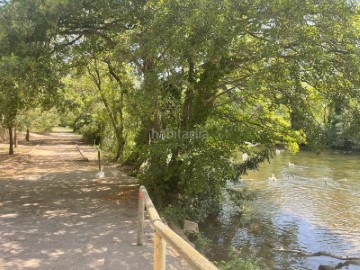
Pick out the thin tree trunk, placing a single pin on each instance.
(11, 145)
(189, 96)
(120, 147)
(27, 138)
(15, 138)
(118, 127)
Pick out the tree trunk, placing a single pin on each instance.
(15, 138)
(117, 125)
(120, 148)
(205, 91)
(189, 96)
(27, 138)
(11, 145)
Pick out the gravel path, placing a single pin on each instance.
(54, 214)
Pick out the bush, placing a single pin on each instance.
(202, 243)
(174, 215)
(237, 262)
(91, 133)
(242, 264)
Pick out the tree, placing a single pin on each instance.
(251, 68)
(111, 88)
(234, 73)
(31, 72)
(37, 120)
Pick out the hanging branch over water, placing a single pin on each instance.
(319, 253)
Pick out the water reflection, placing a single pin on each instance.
(313, 206)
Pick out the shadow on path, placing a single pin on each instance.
(55, 215)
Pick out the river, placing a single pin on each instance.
(314, 205)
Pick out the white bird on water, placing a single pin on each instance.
(272, 178)
(291, 165)
(277, 151)
(100, 175)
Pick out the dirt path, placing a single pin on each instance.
(54, 214)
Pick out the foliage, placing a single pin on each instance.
(97, 111)
(174, 215)
(242, 73)
(38, 120)
(30, 72)
(342, 129)
(202, 244)
(237, 196)
(91, 133)
(239, 263)
(258, 81)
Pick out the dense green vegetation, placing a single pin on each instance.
(177, 88)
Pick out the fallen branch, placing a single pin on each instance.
(319, 253)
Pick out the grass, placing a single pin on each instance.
(62, 129)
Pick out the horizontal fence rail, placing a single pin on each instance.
(163, 234)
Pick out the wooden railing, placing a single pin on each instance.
(163, 234)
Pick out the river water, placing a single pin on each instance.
(314, 205)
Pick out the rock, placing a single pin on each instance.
(190, 227)
(326, 267)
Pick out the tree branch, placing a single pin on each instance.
(63, 45)
(93, 32)
(319, 253)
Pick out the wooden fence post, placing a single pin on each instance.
(99, 159)
(159, 252)
(140, 235)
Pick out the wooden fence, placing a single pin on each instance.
(163, 234)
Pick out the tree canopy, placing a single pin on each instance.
(177, 88)
(30, 70)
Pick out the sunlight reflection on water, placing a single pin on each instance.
(313, 206)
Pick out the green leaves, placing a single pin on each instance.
(30, 72)
(262, 72)
(249, 71)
